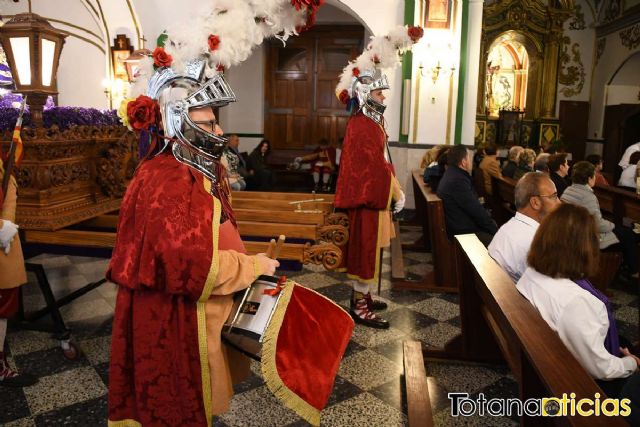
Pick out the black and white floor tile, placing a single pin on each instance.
(368, 390)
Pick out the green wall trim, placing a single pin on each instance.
(457, 140)
(407, 63)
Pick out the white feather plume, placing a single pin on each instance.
(240, 26)
(381, 52)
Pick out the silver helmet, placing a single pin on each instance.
(177, 94)
(362, 86)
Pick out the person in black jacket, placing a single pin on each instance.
(558, 171)
(462, 209)
(511, 165)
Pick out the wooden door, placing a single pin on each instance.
(574, 122)
(300, 102)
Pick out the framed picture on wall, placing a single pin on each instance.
(120, 51)
(437, 14)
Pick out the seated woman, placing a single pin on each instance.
(525, 163)
(260, 174)
(612, 237)
(434, 171)
(563, 254)
(596, 161)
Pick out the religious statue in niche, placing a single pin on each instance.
(438, 14)
(506, 75)
(120, 51)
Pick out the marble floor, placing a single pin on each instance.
(367, 392)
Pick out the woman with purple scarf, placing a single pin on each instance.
(563, 255)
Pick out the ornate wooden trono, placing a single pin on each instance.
(69, 176)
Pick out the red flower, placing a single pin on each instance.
(355, 72)
(162, 58)
(143, 112)
(220, 68)
(415, 33)
(310, 4)
(344, 96)
(311, 7)
(214, 42)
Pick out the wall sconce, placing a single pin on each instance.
(440, 56)
(436, 70)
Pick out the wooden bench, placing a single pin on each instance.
(503, 203)
(618, 203)
(325, 254)
(272, 195)
(419, 411)
(443, 276)
(498, 323)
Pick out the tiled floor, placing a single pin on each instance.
(367, 392)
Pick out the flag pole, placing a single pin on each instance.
(12, 149)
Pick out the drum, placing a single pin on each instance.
(250, 315)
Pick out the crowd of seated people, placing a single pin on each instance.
(248, 172)
(551, 247)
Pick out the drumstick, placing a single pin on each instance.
(271, 249)
(279, 246)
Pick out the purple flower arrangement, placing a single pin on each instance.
(63, 117)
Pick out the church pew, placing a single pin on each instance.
(326, 254)
(503, 203)
(290, 197)
(619, 203)
(419, 411)
(443, 276)
(281, 205)
(498, 323)
(291, 217)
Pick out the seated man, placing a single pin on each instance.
(323, 161)
(235, 165)
(510, 167)
(462, 209)
(558, 171)
(535, 196)
(625, 161)
(489, 166)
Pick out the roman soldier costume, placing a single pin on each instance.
(367, 185)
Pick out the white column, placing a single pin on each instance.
(474, 33)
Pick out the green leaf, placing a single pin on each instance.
(162, 39)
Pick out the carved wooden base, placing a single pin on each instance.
(325, 254)
(336, 234)
(53, 218)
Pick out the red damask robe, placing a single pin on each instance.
(177, 268)
(366, 186)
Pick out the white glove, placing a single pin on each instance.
(7, 232)
(399, 204)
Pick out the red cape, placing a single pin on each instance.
(161, 262)
(363, 188)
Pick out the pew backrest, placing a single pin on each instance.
(539, 360)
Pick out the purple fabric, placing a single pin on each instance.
(611, 341)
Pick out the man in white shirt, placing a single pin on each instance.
(624, 161)
(535, 197)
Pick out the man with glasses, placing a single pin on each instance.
(535, 197)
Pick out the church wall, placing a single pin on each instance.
(577, 54)
(612, 51)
